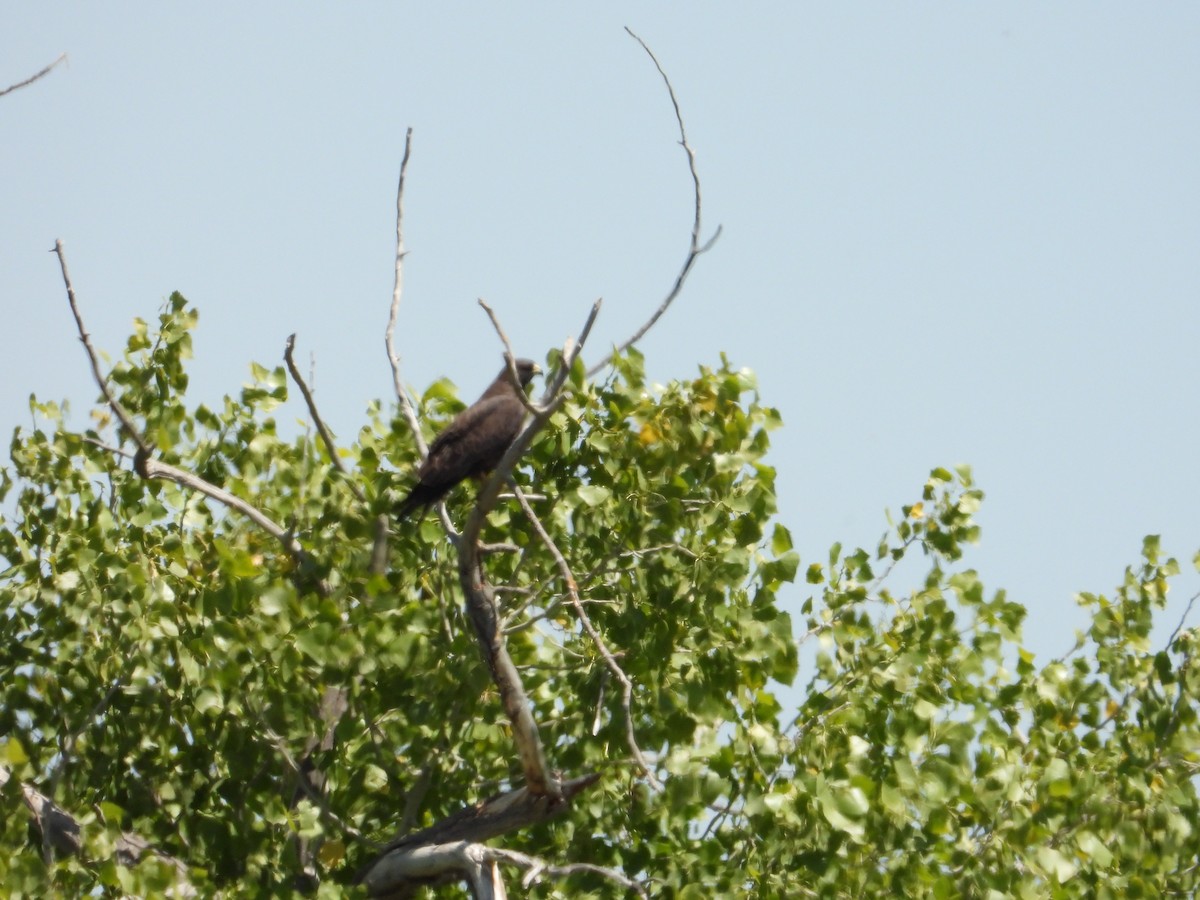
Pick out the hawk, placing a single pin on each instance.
(474, 442)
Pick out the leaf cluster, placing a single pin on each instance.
(167, 666)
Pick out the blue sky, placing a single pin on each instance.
(952, 232)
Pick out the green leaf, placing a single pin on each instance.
(593, 495)
(1055, 864)
(14, 753)
(781, 540)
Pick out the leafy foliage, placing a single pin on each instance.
(165, 663)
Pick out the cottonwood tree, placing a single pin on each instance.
(225, 673)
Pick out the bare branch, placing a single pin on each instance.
(485, 619)
(148, 467)
(610, 661)
(539, 867)
(31, 79)
(476, 863)
(406, 405)
(510, 359)
(695, 249)
(479, 822)
(118, 410)
(116, 451)
(322, 429)
(573, 349)
(1183, 619)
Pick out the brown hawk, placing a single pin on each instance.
(474, 442)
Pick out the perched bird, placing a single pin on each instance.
(474, 442)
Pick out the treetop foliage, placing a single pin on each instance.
(168, 667)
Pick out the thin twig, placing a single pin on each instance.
(406, 405)
(116, 451)
(574, 348)
(538, 867)
(31, 79)
(1182, 619)
(610, 661)
(695, 249)
(118, 410)
(510, 360)
(322, 429)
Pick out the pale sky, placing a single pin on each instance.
(952, 232)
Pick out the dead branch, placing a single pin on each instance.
(148, 467)
(406, 405)
(1182, 620)
(695, 249)
(510, 359)
(115, 451)
(434, 864)
(322, 429)
(484, 615)
(134, 432)
(408, 859)
(32, 78)
(539, 867)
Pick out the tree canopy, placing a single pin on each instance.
(168, 666)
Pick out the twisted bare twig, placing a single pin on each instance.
(134, 432)
(539, 867)
(696, 249)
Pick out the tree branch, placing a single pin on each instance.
(32, 78)
(322, 429)
(406, 405)
(695, 249)
(610, 661)
(539, 867)
(407, 859)
(135, 433)
(510, 359)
